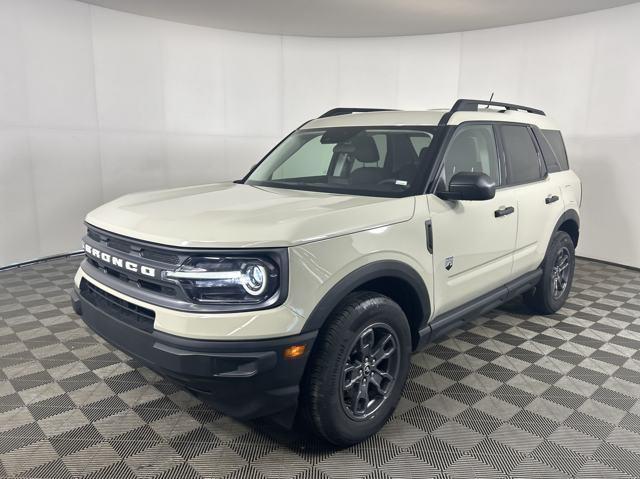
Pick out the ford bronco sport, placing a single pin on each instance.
(300, 291)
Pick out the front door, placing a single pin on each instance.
(473, 241)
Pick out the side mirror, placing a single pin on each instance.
(469, 185)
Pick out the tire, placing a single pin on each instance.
(340, 415)
(546, 298)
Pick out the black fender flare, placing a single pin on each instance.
(362, 275)
(570, 214)
(567, 215)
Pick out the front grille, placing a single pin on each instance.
(93, 234)
(119, 245)
(132, 247)
(156, 287)
(137, 316)
(154, 255)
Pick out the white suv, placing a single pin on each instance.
(302, 289)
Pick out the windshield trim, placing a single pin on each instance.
(327, 189)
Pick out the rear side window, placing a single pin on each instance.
(555, 141)
(523, 162)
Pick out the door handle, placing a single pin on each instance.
(551, 199)
(504, 211)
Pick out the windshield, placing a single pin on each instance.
(380, 161)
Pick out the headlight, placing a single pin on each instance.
(254, 279)
(227, 279)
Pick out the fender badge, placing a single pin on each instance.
(448, 263)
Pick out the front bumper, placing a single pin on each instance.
(244, 379)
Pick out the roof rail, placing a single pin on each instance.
(346, 111)
(465, 104)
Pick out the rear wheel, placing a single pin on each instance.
(358, 370)
(558, 266)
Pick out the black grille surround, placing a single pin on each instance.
(132, 314)
(132, 247)
(157, 290)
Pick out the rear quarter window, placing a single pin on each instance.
(557, 161)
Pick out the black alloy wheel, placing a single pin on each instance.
(370, 371)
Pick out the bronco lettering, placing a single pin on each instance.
(119, 262)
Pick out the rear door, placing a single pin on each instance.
(472, 243)
(539, 199)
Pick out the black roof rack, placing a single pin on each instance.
(465, 104)
(346, 111)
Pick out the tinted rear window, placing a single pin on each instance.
(523, 163)
(555, 142)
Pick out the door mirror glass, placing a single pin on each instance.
(469, 185)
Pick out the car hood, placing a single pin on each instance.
(223, 215)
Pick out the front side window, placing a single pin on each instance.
(523, 162)
(381, 161)
(471, 149)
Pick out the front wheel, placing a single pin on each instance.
(357, 373)
(558, 266)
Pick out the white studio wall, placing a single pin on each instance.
(96, 103)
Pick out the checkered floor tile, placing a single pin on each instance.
(509, 395)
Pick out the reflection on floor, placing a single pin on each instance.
(510, 395)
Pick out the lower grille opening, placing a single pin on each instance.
(137, 316)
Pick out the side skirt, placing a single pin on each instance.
(445, 322)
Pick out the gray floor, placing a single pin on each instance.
(510, 395)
